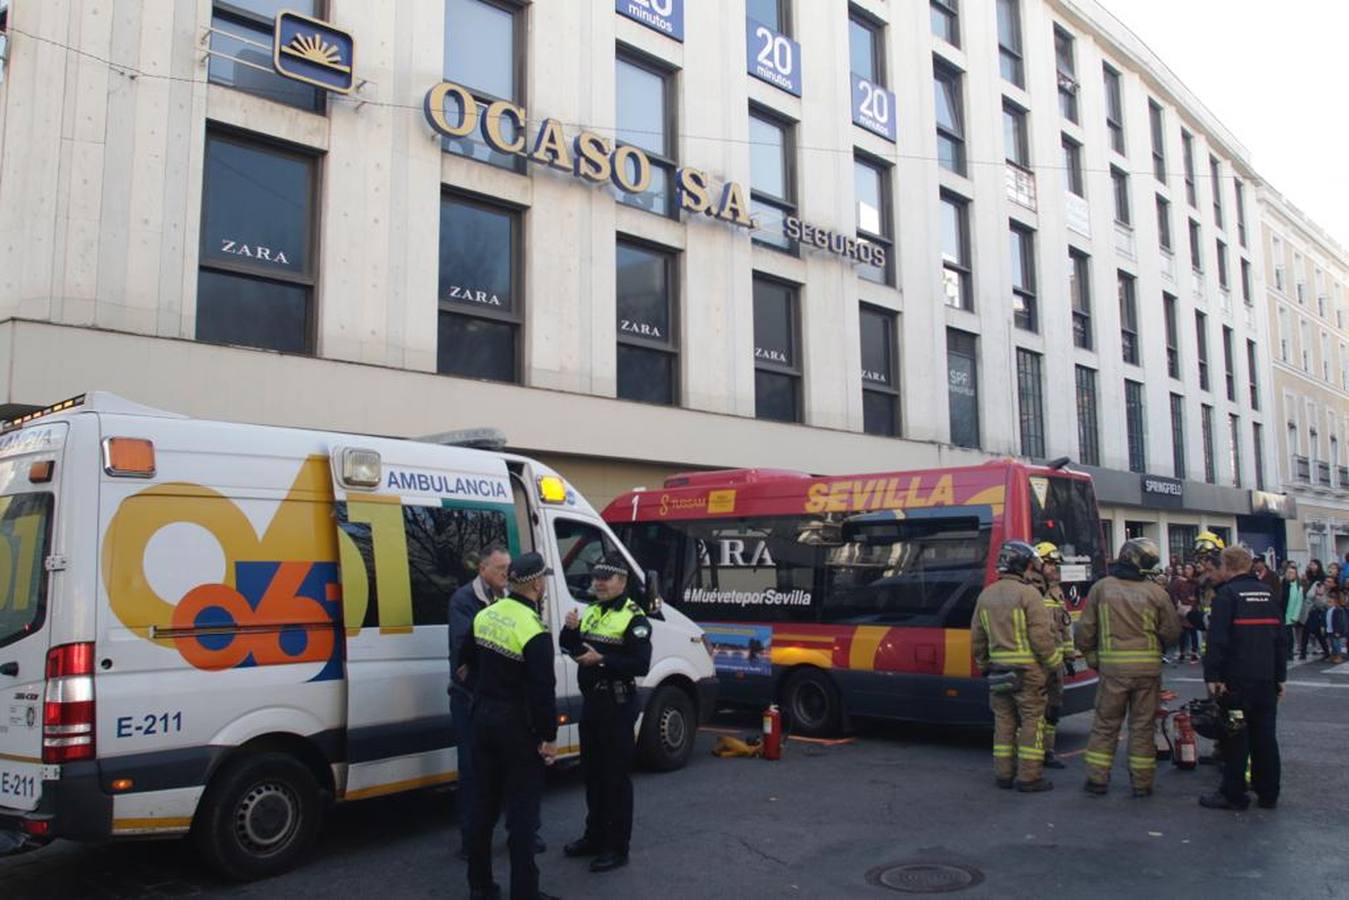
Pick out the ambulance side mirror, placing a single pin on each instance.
(652, 595)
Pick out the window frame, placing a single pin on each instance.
(1088, 424)
(1215, 176)
(1127, 290)
(1114, 106)
(667, 161)
(1079, 264)
(783, 24)
(1023, 244)
(1240, 189)
(1030, 393)
(1201, 345)
(1234, 444)
(1165, 241)
(1196, 246)
(973, 355)
(953, 78)
(1119, 184)
(484, 98)
(1020, 121)
(964, 267)
(309, 279)
(1221, 247)
(1172, 335)
(886, 241)
(890, 391)
(1229, 365)
(949, 10)
(1253, 373)
(796, 369)
(876, 29)
(1187, 158)
(1008, 55)
(264, 27)
(786, 205)
(1135, 425)
(1074, 181)
(1157, 130)
(1178, 435)
(1065, 67)
(1258, 454)
(671, 345)
(517, 319)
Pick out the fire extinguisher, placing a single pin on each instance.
(772, 732)
(1187, 742)
(1161, 739)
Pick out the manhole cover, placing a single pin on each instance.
(927, 878)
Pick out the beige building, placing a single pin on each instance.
(1307, 280)
(979, 229)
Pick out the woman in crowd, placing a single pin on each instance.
(1314, 589)
(1295, 607)
(1182, 590)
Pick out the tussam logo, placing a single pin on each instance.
(254, 251)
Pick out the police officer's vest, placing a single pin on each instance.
(608, 625)
(507, 626)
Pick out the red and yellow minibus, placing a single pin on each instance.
(851, 595)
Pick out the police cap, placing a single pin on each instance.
(526, 568)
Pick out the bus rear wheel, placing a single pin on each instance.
(812, 704)
(259, 816)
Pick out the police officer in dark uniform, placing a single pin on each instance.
(612, 645)
(1245, 666)
(514, 726)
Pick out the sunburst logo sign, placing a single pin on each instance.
(314, 52)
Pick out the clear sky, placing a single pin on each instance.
(1276, 73)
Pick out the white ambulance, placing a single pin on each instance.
(218, 628)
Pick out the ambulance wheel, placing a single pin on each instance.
(811, 704)
(668, 730)
(259, 816)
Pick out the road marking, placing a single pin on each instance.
(1314, 684)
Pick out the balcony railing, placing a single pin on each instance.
(1124, 241)
(1323, 473)
(1021, 186)
(1078, 214)
(1302, 468)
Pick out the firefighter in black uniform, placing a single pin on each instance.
(611, 643)
(514, 726)
(1245, 666)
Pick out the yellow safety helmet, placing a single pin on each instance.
(1049, 553)
(1207, 543)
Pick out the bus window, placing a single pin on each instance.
(927, 574)
(752, 570)
(658, 546)
(1063, 512)
(580, 545)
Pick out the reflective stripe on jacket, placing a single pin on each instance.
(1012, 627)
(1125, 626)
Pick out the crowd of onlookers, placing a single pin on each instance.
(1313, 598)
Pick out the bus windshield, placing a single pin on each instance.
(1063, 512)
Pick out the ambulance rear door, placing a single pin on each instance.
(410, 519)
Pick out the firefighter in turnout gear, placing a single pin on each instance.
(1047, 581)
(612, 645)
(1014, 646)
(1125, 626)
(514, 726)
(1207, 549)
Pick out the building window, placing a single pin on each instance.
(1024, 313)
(1305, 335)
(256, 282)
(1088, 434)
(1187, 158)
(880, 379)
(1215, 176)
(1246, 281)
(772, 178)
(1206, 426)
(1181, 539)
(1133, 422)
(1276, 251)
(648, 355)
(1172, 336)
(865, 48)
(1119, 179)
(645, 116)
(1128, 318)
(777, 351)
(1155, 123)
(1010, 61)
(1201, 343)
(955, 252)
(1325, 356)
(235, 60)
(962, 378)
(1178, 434)
(1114, 109)
(1234, 440)
(946, 20)
(1163, 223)
(1253, 374)
(1241, 211)
(950, 119)
(1067, 73)
(1258, 447)
(770, 13)
(480, 304)
(482, 52)
(1222, 265)
(1030, 400)
(1014, 142)
(1196, 250)
(874, 217)
(1079, 290)
(1229, 370)
(1072, 166)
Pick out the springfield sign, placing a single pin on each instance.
(451, 111)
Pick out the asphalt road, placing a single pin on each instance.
(819, 821)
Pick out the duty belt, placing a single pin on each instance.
(620, 690)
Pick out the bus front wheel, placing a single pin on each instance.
(812, 704)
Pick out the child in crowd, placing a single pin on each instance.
(1337, 623)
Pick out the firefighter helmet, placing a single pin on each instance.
(1141, 553)
(1206, 543)
(1049, 553)
(1016, 557)
(1211, 720)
